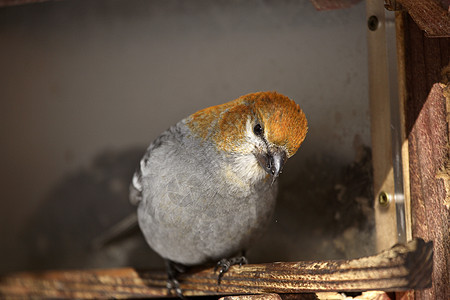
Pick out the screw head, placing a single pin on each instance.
(384, 199)
(372, 23)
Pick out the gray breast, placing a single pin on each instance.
(188, 213)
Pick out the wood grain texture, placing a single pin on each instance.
(403, 267)
(430, 15)
(428, 146)
(428, 143)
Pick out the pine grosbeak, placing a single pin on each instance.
(205, 187)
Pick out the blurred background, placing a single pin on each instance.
(85, 86)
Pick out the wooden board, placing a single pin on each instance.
(403, 267)
(432, 16)
(426, 126)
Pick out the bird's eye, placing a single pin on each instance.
(258, 130)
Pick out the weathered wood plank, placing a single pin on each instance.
(431, 16)
(403, 267)
(428, 143)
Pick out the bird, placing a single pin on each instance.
(206, 188)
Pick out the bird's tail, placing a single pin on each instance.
(123, 229)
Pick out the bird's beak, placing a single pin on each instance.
(272, 161)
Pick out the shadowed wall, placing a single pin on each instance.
(86, 85)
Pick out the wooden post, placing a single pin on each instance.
(426, 62)
(424, 94)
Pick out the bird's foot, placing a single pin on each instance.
(173, 269)
(225, 263)
(174, 285)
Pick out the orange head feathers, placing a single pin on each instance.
(282, 120)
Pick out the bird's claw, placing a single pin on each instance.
(174, 285)
(173, 269)
(224, 265)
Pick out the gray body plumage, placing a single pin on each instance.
(195, 205)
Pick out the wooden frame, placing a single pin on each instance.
(426, 98)
(410, 89)
(400, 268)
(422, 74)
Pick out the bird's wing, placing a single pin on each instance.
(136, 186)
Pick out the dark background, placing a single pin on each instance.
(86, 85)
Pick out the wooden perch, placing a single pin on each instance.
(403, 267)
